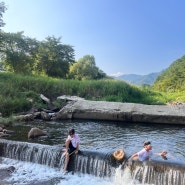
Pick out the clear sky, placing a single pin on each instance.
(124, 36)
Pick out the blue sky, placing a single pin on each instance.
(124, 36)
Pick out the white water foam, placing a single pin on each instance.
(27, 173)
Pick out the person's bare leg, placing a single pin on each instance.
(66, 155)
(66, 161)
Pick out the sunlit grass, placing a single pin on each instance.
(19, 93)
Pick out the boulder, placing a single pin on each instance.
(45, 99)
(27, 117)
(5, 131)
(5, 173)
(35, 133)
(45, 116)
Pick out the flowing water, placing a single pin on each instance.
(96, 136)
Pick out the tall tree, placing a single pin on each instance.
(2, 10)
(54, 58)
(17, 51)
(85, 68)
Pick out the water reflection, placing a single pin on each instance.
(110, 136)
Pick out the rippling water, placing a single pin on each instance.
(96, 136)
(110, 136)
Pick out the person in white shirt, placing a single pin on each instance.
(146, 153)
(72, 146)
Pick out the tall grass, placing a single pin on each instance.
(19, 93)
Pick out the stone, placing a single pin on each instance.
(125, 112)
(35, 133)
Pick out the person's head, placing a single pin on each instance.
(71, 132)
(147, 145)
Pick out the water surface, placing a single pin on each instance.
(110, 136)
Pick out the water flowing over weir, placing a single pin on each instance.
(158, 173)
(95, 163)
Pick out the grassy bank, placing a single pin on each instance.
(18, 93)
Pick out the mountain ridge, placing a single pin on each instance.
(139, 80)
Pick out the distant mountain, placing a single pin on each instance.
(139, 80)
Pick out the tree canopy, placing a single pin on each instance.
(85, 68)
(53, 58)
(17, 52)
(21, 54)
(2, 10)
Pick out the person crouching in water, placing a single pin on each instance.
(72, 146)
(146, 153)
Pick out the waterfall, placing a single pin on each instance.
(95, 163)
(36, 153)
(156, 172)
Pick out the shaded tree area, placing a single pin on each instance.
(24, 55)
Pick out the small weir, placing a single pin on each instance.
(95, 163)
(155, 172)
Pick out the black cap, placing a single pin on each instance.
(146, 143)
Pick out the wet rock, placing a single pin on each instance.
(5, 131)
(2, 134)
(27, 117)
(35, 133)
(6, 172)
(45, 99)
(45, 116)
(11, 169)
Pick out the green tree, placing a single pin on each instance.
(2, 10)
(17, 52)
(85, 68)
(53, 58)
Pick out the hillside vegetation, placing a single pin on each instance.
(20, 93)
(172, 80)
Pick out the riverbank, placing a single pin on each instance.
(125, 112)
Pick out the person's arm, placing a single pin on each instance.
(77, 148)
(78, 142)
(67, 144)
(134, 155)
(163, 154)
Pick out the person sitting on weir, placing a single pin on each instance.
(146, 153)
(72, 146)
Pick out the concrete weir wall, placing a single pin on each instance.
(128, 112)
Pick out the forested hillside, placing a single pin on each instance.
(173, 78)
